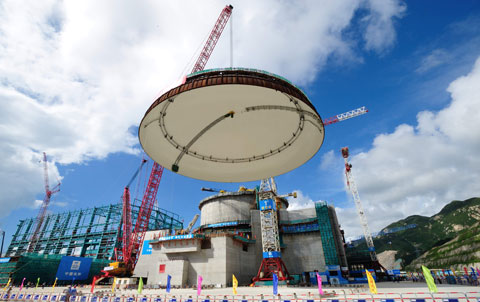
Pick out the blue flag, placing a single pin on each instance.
(275, 284)
(168, 283)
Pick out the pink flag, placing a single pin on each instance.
(319, 281)
(478, 271)
(21, 286)
(199, 285)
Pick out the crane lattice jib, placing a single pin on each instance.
(213, 39)
(361, 213)
(345, 116)
(145, 210)
(44, 206)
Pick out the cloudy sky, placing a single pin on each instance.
(76, 77)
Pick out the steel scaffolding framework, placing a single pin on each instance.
(93, 232)
(326, 232)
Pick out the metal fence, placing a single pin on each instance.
(345, 297)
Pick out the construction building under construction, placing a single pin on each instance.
(229, 241)
(94, 233)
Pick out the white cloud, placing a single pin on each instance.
(436, 58)
(417, 170)
(301, 202)
(75, 76)
(380, 34)
(328, 161)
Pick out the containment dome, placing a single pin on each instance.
(232, 125)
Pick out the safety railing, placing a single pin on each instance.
(339, 296)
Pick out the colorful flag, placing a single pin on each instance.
(38, 281)
(93, 284)
(140, 286)
(234, 284)
(371, 283)
(275, 284)
(113, 284)
(199, 285)
(21, 285)
(168, 283)
(473, 270)
(8, 283)
(429, 279)
(54, 283)
(319, 281)
(466, 270)
(478, 271)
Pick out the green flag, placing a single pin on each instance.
(429, 279)
(38, 280)
(140, 285)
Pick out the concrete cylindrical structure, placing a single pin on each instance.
(227, 207)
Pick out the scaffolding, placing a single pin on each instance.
(327, 234)
(94, 232)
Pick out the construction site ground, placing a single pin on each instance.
(402, 291)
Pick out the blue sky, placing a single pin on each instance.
(76, 79)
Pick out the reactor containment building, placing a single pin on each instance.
(229, 241)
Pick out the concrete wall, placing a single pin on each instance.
(257, 235)
(241, 263)
(303, 252)
(232, 206)
(186, 264)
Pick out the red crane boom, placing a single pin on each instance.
(44, 206)
(132, 242)
(141, 226)
(213, 39)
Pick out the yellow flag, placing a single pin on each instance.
(371, 283)
(113, 284)
(429, 279)
(54, 283)
(235, 284)
(8, 283)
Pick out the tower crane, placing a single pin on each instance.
(43, 208)
(272, 262)
(361, 213)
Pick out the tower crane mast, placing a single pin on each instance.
(44, 206)
(356, 198)
(272, 262)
